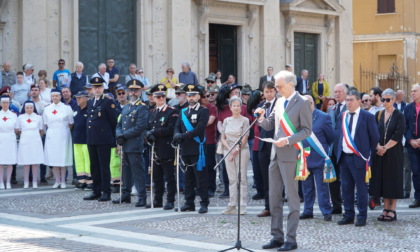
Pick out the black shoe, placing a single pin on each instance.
(327, 217)
(13, 181)
(225, 194)
(345, 221)
(272, 244)
(288, 246)
(168, 206)
(211, 194)
(156, 204)
(187, 208)
(406, 195)
(44, 182)
(301, 200)
(360, 223)
(81, 186)
(104, 197)
(89, 187)
(416, 203)
(141, 203)
(305, 216)
(203, 209)
(92, 196)
(123, 200)
(337, 211)
(258, 197)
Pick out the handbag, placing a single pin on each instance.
(170, 93)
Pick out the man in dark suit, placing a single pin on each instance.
(322, 128)
(302, 83)
(130, 137)
(412, 137)
(190, 134)
(353, 158)
(399, 101)
(284, 156)
(162, 120)
(340, 92)
(102, 121)
(265, 78)
(264, 148)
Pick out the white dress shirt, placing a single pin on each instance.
(353, 131)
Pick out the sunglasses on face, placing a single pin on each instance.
(178, 94)
(159, 96)
(206, 96)
(364, 101)
(386, 99)
(213, 94)
(208, 82)
(121, 93)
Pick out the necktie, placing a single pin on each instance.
(338, 110)
(351, 121)
(268, 110)
(285, 103)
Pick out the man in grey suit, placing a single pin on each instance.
(284, 157)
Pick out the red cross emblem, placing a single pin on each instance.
(55, 112)
(5, 118)
(29, 120)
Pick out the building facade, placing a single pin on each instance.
(386, 43)
(241, 37)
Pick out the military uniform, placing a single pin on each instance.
(195, 176)
(130, 134)
(161, 125)
(102, 120)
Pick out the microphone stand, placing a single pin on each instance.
(238, 244)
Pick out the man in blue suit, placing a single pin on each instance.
(302, 83)
(352, 158)
(322, 128)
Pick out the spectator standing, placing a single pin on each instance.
(114, 75)
(29, 77)
(366, 104)
(42, 74)
(388, 163)
(20, 90)
(44, 90)
(375, 99)
(265, 78)
(132, 73)
(146, 84)
(62, 76)
(39, 103)
(187, 76)
(170, 82)
(67, 99)
(320, 90)
(8, 77)
(329, 103)
(211, 81)
(302, 85)
(102, 74)
(122, 94)
(219, 78)
(78, 79)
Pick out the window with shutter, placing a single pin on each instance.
(386, 6)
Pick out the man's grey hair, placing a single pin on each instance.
(79, 64)
(389, 92)
(234, 99)
(343, 86)
(355, 93)
(101, 65)
(187, 65)
(286, 76)
(132, 64)
(304, 71)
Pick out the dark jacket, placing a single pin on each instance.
(411, 132)
(77, 84)
(79, 127)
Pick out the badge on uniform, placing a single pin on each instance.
(162, 121)
(74, 113)
(99, 114)
(112, 105)
(194, 118)
(132, 119)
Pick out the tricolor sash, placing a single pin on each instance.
(352, 146)
(329, 171)
(289, 129)
(201, 157)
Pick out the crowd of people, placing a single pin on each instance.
(347, 147)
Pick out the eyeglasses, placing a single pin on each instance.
(208, 82)
(159, 96)
(206, 96)
(386, 99)
(178, 94)
(364, 101)
(213, 94)
(121, 93)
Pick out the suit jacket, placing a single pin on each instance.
(410, 122)
(300, 115)
(162, 123)
(322, 128)
(263, 79)
(299, 85)
(366, 137)
(102, 121)
(403, 105)
(263, 132)
(132, 125)
(198, 118)
(335, 117)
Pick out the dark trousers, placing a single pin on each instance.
(146, 163)
(210, 163)
(100, 156)
(133, 172)
(42, 167)
(353, 176)
(414, 155)
(264, 158)
(316, 177)
(164, 170)
(407, 172)
(225, 177)
(259, 184)
(335, 187)
(195, 180)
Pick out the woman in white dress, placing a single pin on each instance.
(8, 143)
(58, 152)
(30, 150)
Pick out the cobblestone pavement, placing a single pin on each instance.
(46, 219)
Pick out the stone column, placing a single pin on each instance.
(270, 33)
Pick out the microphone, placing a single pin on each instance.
(266, 106)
